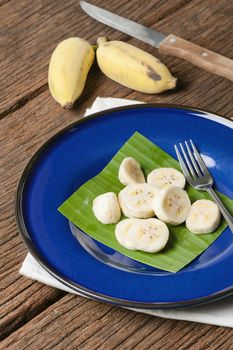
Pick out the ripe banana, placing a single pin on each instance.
(136, 200)
(150, 235)
(204, 217)
(132, 67)
(106, 208)
(163, 177)
(68, 69)
(130, 172)
(172, 205)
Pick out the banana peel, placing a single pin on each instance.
(133, 67)
(68, 69)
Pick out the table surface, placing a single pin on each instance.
(35, 316)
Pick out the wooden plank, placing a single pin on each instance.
(23, 131)
(31, 30)
(23, 299)
(77, 323)
(14, 288)
(222, 31)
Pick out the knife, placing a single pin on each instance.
(169, 44)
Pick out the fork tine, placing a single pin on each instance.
(193, 160)
(199, 159)
(182, 164)
(188, 162)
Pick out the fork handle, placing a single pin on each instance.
(227, 216)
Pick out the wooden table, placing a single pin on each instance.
(35, 316)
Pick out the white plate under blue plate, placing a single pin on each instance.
(81, 151)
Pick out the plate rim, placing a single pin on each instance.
(66, 281)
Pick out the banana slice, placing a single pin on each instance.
(106, 208)
(172, 205)
(136, 200)
(148, 235)
(125, 234)
(130, 172)
(163, 177)
(204, 217)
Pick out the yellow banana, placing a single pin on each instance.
(132, 67)
(68, 69)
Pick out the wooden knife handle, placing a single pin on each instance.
(197, 55)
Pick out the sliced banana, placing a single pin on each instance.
(172, 205)
(204, 217)
(106, 208)
(148, 235)
(130, 172)
(136, 200)
(163, 177)
(125, 234)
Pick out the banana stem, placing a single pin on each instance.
(101, 40)
(95, 47)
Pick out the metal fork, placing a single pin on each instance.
(198, 176)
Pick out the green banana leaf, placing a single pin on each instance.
(183, 246)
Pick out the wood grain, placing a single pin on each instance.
(3, 2)
(23, 299)
(30, 30)
(32, 315)
(77, 323)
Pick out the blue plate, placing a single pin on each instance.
(78, 153)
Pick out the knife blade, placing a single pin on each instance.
(168, 44)
(126, 26)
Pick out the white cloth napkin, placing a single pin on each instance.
(217, 313)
